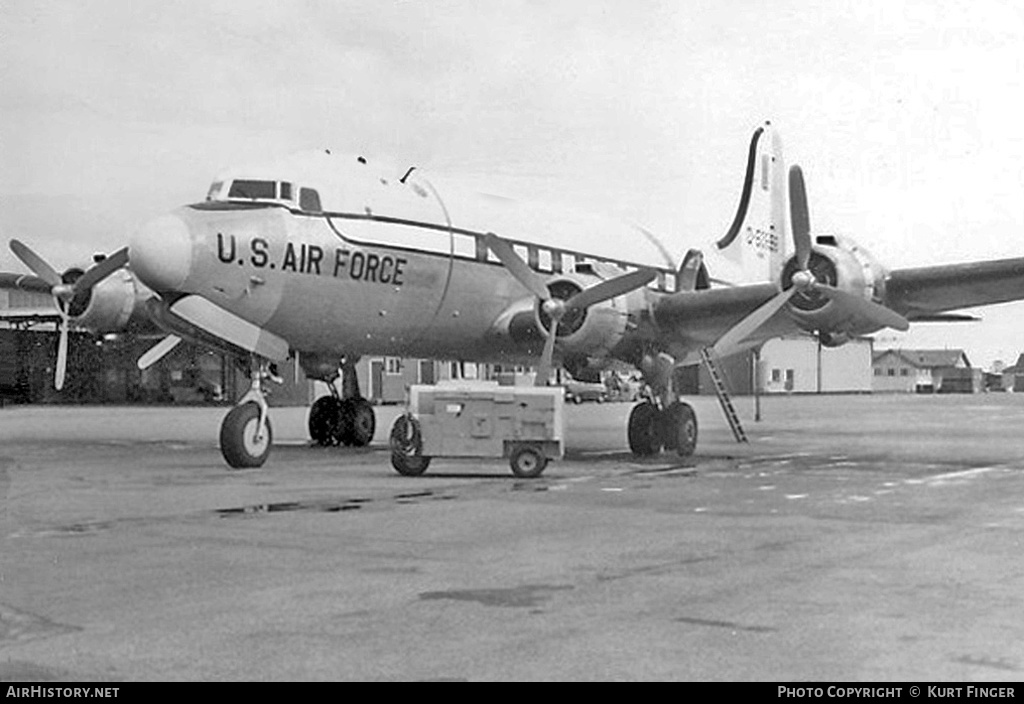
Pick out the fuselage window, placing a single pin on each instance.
(309, 200)
(253, 189)
(214, 190)
(556, 262)
(286, 190)
(531, 257)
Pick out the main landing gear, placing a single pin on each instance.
(661, 421)
(245, 433)
(346, 419)
(673, 427)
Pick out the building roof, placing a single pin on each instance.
(926, 359)
(1017, 368)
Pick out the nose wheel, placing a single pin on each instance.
(245, 433)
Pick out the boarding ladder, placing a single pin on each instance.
(723, 395)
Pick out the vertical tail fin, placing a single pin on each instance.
(756, 240)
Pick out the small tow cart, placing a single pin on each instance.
(480, 419)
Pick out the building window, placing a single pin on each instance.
(776, 375)
(904, 372)
(393, 366)
(891, 371)
(878, 371)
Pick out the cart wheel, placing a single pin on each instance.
(527, 462)
(407, 447)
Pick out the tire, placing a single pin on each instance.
(407, 447)
(527, 461)
(325, 421)
(644, 430)
(238, 442)
(358, 422)
(680, 429)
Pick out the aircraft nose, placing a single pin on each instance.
(161, 253)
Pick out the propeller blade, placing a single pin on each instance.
(546, 359)
(158, 351)
(36, 263)
(878, 314)
(799, 217)
(517, 267)
(729, 343)
(607, 290)
(102, 270)
(62, 356)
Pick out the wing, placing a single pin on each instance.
(23, 282)
(921, 293)
(694, 319)
(38, 311)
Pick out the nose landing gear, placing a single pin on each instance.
(245, 433)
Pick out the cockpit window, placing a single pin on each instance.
(214, 190)
(309, 200)
(286, 190)
(253, 189)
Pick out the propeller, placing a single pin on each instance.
(157, 351)
(803, 280)
(65, 292)
(556, 308)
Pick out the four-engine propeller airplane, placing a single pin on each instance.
(330, 258)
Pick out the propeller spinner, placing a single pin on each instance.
(65, 292)
(555, 308)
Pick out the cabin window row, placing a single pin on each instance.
(548, 261)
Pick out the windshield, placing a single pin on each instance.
(252, 189)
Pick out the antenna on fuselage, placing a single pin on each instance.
(411, 169)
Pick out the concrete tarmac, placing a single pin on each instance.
(863, 538)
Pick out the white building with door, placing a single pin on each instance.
(801, 364)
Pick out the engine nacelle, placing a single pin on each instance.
(592, 332)
(582, 334)
(108, 306)
(839, 263)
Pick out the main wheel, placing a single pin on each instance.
(358, 422)
(644, 430)
(527, 461)
(325, 421)
(407, 447)
(239, 441)
(679, 425)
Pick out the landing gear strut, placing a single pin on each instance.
(245, 433)
(346, 419)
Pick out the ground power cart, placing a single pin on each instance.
(480, 419)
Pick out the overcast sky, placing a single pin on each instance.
(906, 116)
